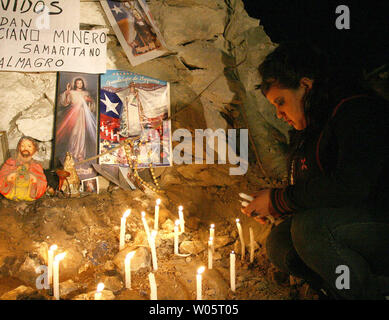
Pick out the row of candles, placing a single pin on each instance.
(53, 262)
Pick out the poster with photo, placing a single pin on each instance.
(76, 121)
(135, 29)
(138, 107)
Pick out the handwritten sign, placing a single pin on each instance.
(40, 14)
(34, 50)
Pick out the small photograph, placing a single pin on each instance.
(90, 185)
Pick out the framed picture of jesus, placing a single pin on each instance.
(76, 119)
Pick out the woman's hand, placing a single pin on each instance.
(261, 205)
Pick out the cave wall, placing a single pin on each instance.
(206, 39)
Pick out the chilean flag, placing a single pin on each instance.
(110, 110)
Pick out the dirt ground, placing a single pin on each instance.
(87, 228)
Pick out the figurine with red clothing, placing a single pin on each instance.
(22, 178)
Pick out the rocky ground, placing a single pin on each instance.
(87, 228)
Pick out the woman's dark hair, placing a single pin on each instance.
(75, 81)
(290, 62)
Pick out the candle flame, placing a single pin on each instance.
(237, 220)
(143, 214)
(126, 213)
(180, 208)
(232, 252)
(158, 202)
(200, 270)
(100, 287)
(53, 247)
(177, 222)
(130, 255)
(212, 226)
(60, 256)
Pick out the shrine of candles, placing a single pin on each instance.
(54, 273)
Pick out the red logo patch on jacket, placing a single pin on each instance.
(303, 164)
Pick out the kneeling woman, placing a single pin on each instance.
(335, 232)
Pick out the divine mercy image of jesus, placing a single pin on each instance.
(76, 119)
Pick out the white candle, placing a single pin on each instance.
(106, 131)
(123, 229)
(181, 217)
(127, 268)
(232, 270)
(57, 259)
(241, 238)
(146, 226)
(251, 245)
(212, 231)
(153, 249)
(50, 263)
(153, 287)
(212, 235)
(112, 135)
(198, 282)
(210, 251)
(176, 237)
(156, 216)
(246, 197)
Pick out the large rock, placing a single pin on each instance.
(192, 247)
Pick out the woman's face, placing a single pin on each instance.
(289, 105)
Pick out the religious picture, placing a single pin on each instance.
(90, 185)
(136, 107)
(136, 30)
(76, 121)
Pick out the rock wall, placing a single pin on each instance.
(206, 39)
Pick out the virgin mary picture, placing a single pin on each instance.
(135, 29)
(76, 123)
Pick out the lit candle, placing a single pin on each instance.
(212, 231)
(181, 217)
(232, 270)
(127, 268)
(210, 250)
(153, 249)
(100, 287)
(156, 216)
(251, 245)
(246, 197)
(153, 287)
(241, 238)
(50, 263)
(176, 237)
(146, 226)
(198, 282)
(57, 259)
(123, 229)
